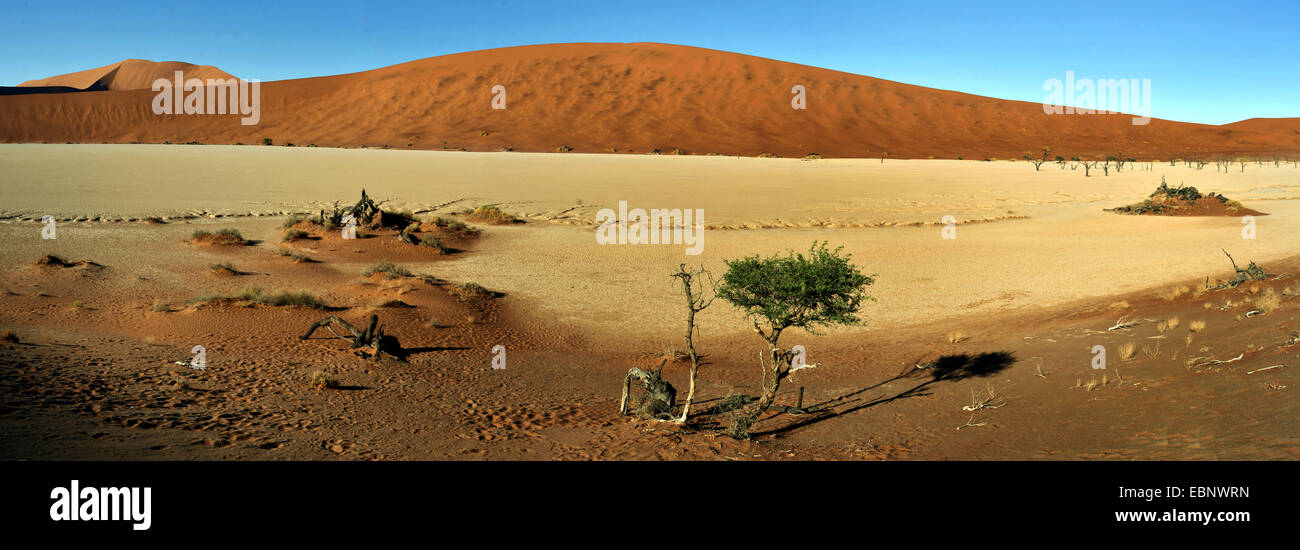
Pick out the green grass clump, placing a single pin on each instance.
(255, 294)
(301, 258)
(227, 231)
(295, 219)
(466, 291)
(455, 227)
(436, 244)
(287, 298)
(389, 270)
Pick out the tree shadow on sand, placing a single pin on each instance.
(949, 368)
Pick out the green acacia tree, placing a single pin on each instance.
(794, 290)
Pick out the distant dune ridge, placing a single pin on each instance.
(625, 98)
(130, 74)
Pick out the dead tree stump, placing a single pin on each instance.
(657, 399)
(372, 341)
(363, 212)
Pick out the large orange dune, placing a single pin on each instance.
(627, 98)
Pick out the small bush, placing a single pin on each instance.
(266, 141)
(294, 234)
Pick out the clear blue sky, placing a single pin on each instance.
(1210, 62)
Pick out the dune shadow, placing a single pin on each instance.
(948, 368)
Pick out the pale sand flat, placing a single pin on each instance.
(1067, 247)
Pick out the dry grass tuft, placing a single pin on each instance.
(1172, 293)
(1269, 301)
(1151, 351)
(1196, 326)
(957, 337)
(491, 215)
(673, 355)
(322, 380)
(1127, 350)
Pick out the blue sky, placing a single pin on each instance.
(1208, 62)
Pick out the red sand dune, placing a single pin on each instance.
(1287, 126)
(131, 74)
(633, 98)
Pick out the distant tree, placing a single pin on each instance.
(1038, 161)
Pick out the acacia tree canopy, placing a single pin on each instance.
(821, 288)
